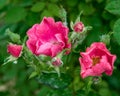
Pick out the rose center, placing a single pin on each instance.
(95, 60)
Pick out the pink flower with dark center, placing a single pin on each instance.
(78, 27)
(96, 60)
(14, 50)
(48, 37)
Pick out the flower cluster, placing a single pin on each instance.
(50, 38)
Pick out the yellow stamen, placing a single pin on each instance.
(95, 60)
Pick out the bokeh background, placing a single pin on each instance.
(20, 15)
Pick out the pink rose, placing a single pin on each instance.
(96, 60)
(14, 50)
(78, 27)
(48, 37)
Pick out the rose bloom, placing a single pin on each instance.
(78, 27)
(96, 60)
(14, 50)
(48, 38)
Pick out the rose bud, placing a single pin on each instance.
(78, 27)
(14, 50)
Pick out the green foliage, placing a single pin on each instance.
(39, 6)
(87, 9)
(116, 31)
(105, 39)
(46, 91)
(2, 3)
(113, 7)
(15, 14)
(53, 9)
(52, 80)
(20, 15)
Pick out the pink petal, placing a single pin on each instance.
(60, 39)
(55, 50)
(88, 72)
(45, 49)
(31, 45)
(31, 32)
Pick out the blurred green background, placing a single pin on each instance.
(20, 15)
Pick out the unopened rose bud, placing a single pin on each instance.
(14, 50)
(78, 27)
(56, 61)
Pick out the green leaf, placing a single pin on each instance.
(44, 91)
(116, 31)
(54, 9)
(54, 81)
(105, 91)
(39, 6)
(54, 1)
(99, 1)
(80, 93)
(33, 74)
(113, 7)
(4, 93)
(87, 9)
(45, 13)
(71, 3)
(107, 16)
(63, 15)
(32, 18)
(15, 15)
(13, 36)
(64, 92)
(94, 35)
(2, 3)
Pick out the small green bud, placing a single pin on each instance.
(13, 36)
